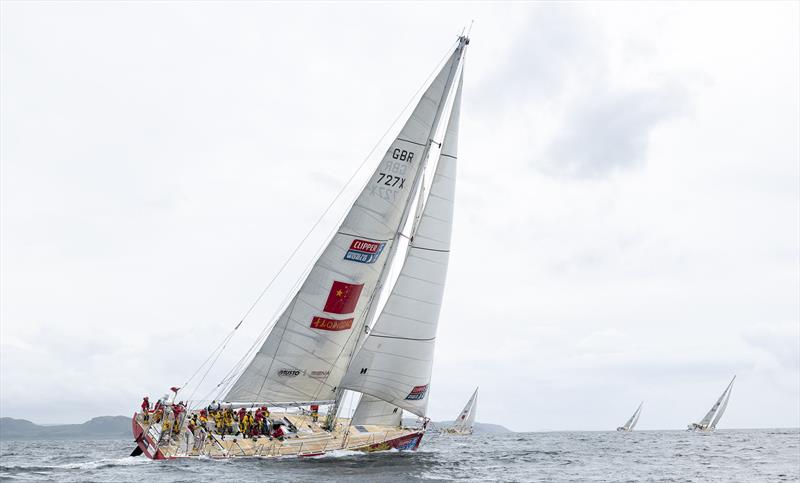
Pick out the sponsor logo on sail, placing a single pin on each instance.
(343, 297)
(417, 393)
(323, 323)
(363, 251)
(289, 372)
(319, 374)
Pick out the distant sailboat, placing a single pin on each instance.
(466, 419)
(631, 423)
(712, 417)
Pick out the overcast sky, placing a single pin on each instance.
(627, 219)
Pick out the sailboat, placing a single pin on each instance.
(331, 341)
(712, 417)
(631, 423)
(463, 424)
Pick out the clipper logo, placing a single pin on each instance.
(363, 251)
(417, 393)
(323, 323)
(289, 372)
(319, 374)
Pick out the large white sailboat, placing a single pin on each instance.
(631, 423)
(332, 341)
(712, 417)
(465, 421)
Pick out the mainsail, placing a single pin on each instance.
(371, 410)
(717, 408)
(466, 418)
(308, 350)
(394, 363)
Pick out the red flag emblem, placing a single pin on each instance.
(343, 298)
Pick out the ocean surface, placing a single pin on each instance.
(727, 455)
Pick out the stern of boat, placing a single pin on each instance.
(146, 437)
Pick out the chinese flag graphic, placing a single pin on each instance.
(343, 298)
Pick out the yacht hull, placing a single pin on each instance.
(152, 445)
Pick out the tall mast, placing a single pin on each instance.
(452, 70)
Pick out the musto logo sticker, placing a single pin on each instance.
(363, 251)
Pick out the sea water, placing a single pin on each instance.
(726, 455)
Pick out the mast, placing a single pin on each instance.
(395, 360)
(460, 51)
(417, 187)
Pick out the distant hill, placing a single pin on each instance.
(480, 428)
(103, 427)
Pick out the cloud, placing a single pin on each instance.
(609, 131)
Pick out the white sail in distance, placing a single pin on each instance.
(307, 351)
(724, 405)
(706, 421)
(632, 424)
(395, 361)
(466, 419)
(371, 410)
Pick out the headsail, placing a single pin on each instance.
(394, 363)
(371, 410)
(305, 355)
(466, 418)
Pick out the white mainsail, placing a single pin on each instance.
(466, 419)
(394, 363)
(307, 352)
(371, 410)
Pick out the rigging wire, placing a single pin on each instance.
(221, 347)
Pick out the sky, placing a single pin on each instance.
(627, 221)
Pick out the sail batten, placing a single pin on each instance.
(307, 352)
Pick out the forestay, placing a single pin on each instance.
(308, 349)
(394, 364)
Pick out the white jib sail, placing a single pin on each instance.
(371, 410)
(308, 349)
(394, 363)
(466, 419)
(724, 405)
